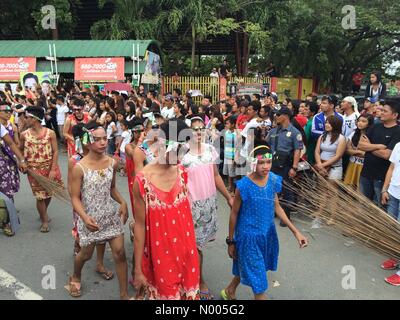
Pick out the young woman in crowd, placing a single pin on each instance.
(353, 172)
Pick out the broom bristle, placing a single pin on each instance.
(52, 187)
(349, 212)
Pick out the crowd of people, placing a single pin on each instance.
(177, 156)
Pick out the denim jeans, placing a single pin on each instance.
(111, 147)
(287, 193)
(371, 189)
(393, 207)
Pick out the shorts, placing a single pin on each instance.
(229, 168)
(243, 167)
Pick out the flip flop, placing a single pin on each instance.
(206, 295)
(44, 229)
(106, 275)
(74, 288)
(225, 296)
(141, 293)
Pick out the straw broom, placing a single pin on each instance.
(52, 187)
(349, 212)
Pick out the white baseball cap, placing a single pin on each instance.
(353, 102)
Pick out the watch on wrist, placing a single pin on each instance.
(295, 169)
(229, 242)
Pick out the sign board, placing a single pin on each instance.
(32, 79)
(249, 89)
(10, 68)
(99, 69)
(153, 68)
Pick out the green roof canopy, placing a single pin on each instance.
(76, 48)
(67, 50)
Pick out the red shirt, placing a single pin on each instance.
(242, 121)
(302, 120)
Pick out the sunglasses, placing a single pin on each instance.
(199, 129)
(156, 126)
(77, 109)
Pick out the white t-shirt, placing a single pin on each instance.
(3, 131)
(168, 113)
(126, 139)
(349, 124)
(394, 186)
(62, 110)
(253, 123)
(110, 131)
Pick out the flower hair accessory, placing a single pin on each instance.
(87, 136)
(170, 144)
(78, 145)
(5, 107)
(254, 159)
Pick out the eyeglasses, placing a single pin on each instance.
(155, 126)
(77, 109)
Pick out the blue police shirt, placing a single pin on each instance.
(289, 139)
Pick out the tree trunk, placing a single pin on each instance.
(193, 49)
(238, 53)
(245, 56)
(54, 33)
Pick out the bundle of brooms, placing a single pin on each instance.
(52, 187)
(347, 211)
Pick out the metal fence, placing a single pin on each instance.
(205, 86)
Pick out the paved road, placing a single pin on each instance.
(311, 273)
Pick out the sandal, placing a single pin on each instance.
(225, 296)
(7, 231)
(206, 295)
(106, 274)
(74, 288)
(44, 229)
(141, 293)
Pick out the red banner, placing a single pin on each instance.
(99, 69)
(10, 68)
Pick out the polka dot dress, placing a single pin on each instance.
(170, 259)
(256, 239)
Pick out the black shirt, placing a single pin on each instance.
(374, 167)
(223, 69)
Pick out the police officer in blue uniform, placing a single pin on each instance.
(286, 144)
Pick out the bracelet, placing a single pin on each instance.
(384, 191)
(295, 169)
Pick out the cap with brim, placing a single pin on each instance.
(283, 110)
(372, 100)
